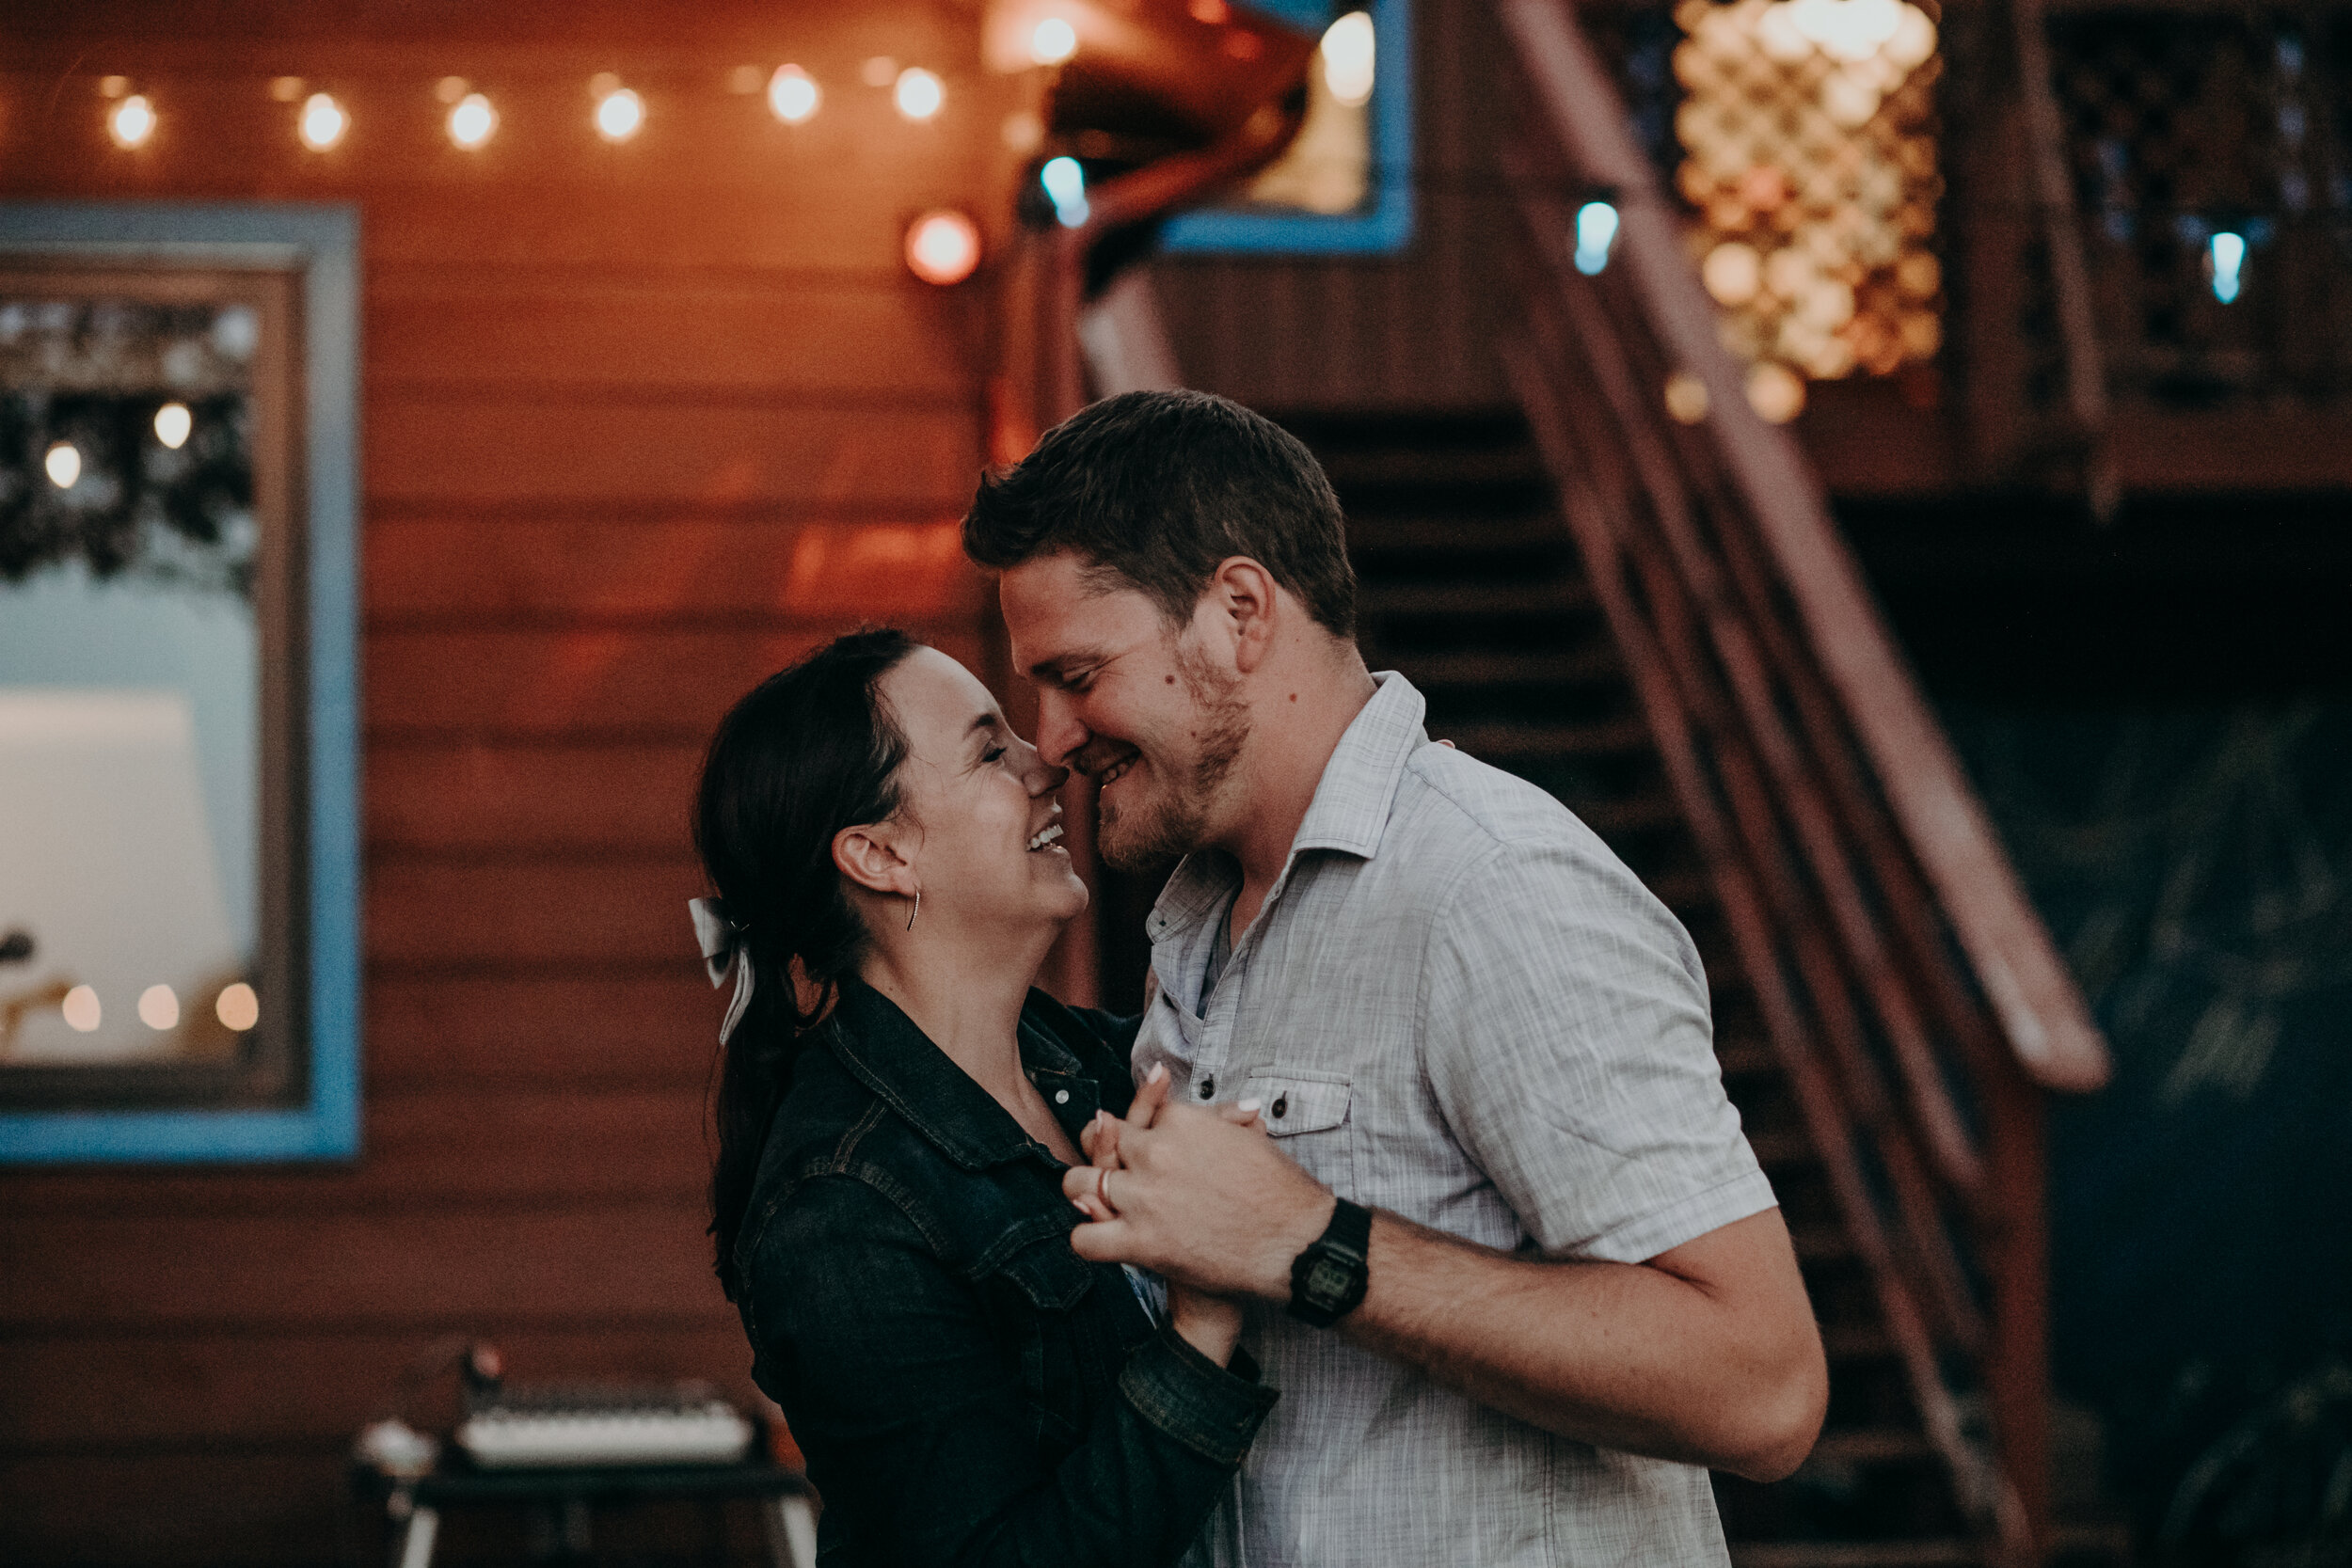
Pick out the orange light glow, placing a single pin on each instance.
(132, 122)
(943, 247)
(919, 93)
(323, 122)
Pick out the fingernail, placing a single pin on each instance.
(1247, 1107)
(1159, 1070)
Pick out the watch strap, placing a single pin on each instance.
(1329, 1279)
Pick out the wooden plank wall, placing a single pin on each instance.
(639, 424)
(1406, 332)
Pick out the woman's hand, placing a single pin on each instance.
(1209, 1324)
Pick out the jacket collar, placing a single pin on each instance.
(1349, 812)
(883, 1050)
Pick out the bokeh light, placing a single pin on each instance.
(943, 247)
(918, 94)
(323, 122)
(172, 424)
(237, 1007)
(1053, 41)
(82, 1012)
(472, 121)
(620, 114)
(159, 1008)
(131, 121)
(63, 463)
(793, 95)
(1349, 50)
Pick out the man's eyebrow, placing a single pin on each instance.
(1050, 669)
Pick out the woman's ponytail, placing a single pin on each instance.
(808, 753)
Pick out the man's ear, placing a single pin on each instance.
(1247, 599)
(869, 855)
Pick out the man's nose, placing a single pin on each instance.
(1059, 731)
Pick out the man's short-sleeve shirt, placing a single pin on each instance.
(1458, 1006)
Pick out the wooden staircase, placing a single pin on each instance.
(1472, 586)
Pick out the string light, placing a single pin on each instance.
(620, 114)
(237, 1007)
(918, 94)
(472, 120)
(793, 95)
(1595, 231)
(323, 122)
(63, 463)
(1053, 41)
(172, 424)
(943, 247)
(1065, 183)
(2226, 254)
(1349, 53)
(159, 1008)
(82, 1010)
(131, 121)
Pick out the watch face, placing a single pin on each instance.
(1328, 1280)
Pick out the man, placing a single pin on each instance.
(1520, 1274)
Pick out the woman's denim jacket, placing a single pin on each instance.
(967, 1389)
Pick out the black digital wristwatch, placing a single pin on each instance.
(1328, 1280)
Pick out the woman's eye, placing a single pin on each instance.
(992, 755)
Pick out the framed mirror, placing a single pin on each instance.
(179, 868)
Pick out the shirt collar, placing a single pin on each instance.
(883, 1050)
(1349, 812)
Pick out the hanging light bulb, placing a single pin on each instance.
(172, 424)
(1348, 53)
(472, 120)
(943, 247)
(793, 94)
(323, 122)
(1053, 41)
(620, 114)
(918, 94)
(1065, 183)
(63, 463)
(131, 121)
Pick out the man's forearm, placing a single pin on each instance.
(1630, 1357)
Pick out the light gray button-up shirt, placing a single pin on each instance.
(1458, 1006)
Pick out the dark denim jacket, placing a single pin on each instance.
(966, 1388)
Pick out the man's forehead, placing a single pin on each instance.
(1060, 605)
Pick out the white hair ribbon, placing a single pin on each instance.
(721, 944)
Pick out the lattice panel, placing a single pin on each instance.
(1809, 154)
(2210, 157)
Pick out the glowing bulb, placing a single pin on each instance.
(64, 464)
(132, 122)
(1053, 41)
(1686, 397)
(1349, 49)
(1595, 231)
(81, 1009)
(919, 93)
(323, 122)
(471, 122)
(2226, 254)
(237, 1007)
(1775, 392)
(172, 423)
(793, 94)
(619, 114)
(1065, 183)
(158, 1007)
(943, 247)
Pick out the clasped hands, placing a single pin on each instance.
(1203, 1198)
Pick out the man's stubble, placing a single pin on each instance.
(1173, 824)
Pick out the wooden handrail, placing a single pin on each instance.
(2039, 1010)
(1911, 994)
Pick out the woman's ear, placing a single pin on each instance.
(869, 856)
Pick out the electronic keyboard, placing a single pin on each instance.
(587, 1425)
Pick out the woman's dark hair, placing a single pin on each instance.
(810, 751)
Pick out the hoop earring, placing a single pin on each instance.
(917, 910)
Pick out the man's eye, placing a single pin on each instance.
(1078, 682)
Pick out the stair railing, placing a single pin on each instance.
(1912, 994)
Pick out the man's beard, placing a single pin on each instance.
(1163, 828)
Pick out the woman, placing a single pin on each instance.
(895, 1109)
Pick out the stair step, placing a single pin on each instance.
(1871, 1445)
(1562, 596)
(1506, 743)
(1943, 1553)
(1574, 667)
(1459, 535)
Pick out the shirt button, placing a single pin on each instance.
(1208, 1087)
(1281, 1104)
(1061, 1097)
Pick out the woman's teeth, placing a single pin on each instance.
(1044, 838)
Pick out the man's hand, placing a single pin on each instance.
(1199, 1197)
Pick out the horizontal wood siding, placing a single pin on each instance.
(640, 425)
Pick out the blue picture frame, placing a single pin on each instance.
(322, 243)
(1383, 228)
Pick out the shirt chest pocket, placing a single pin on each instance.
(1307, 1116)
